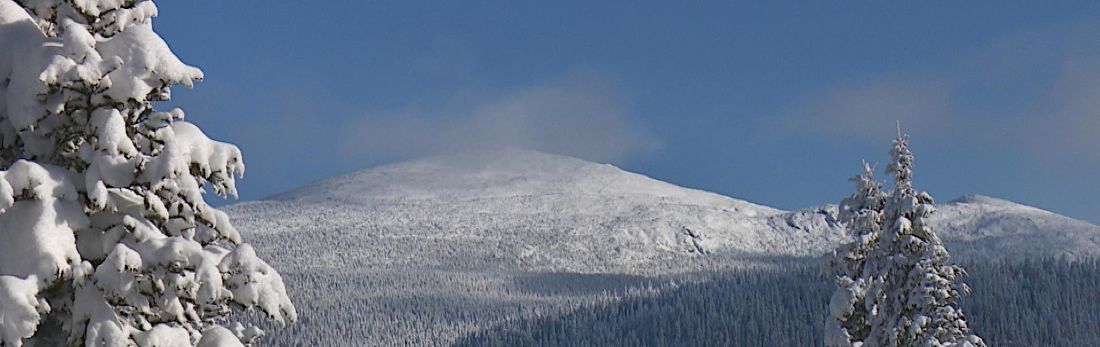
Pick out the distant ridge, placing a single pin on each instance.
(978, 225)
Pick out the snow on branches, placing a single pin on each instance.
(896, 286)
(107, 237)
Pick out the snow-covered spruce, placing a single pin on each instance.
(106, 237)
(896, 288)
(862, 214)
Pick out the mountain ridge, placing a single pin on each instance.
(508, 170)
(462, 244)
(537, 211)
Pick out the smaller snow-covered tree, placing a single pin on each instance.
(912, 283)
(896, 287)
(861, 212)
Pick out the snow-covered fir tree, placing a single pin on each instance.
(896, 286)
(106, 237)
(862, 214)
(914, 286)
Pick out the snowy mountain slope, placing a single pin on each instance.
(536, 211)
(981, 226)
(500, 173)
(976, 226)
(428, 251)
(516, 208)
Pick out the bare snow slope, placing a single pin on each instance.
(528, 210)
(514, 208)
(981, 226)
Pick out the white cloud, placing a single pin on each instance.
(581, 115)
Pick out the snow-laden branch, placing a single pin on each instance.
(107, 237)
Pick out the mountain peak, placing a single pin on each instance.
(980, 199)
(501, 173)
(520, 208)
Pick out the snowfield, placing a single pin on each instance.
(518, 210)
(981, 226)
(455, 242)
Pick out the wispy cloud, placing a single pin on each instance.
(1066, 124)
(1035, 92)
(872, 109)
(581, 115)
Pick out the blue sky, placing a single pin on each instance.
(774, 102)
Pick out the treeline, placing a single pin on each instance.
(1028, 303)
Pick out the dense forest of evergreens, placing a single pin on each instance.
(1028, 303)
(359, 307)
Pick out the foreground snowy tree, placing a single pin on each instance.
(897, 288)
(105, 237)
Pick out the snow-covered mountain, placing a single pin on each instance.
(428, 251)
(981, 226)
(536, 211)
(516, 208)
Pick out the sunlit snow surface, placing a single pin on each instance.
(452, 244)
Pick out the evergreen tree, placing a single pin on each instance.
(895, 284)
(912, 289)
(861, 212)
(107, 238)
